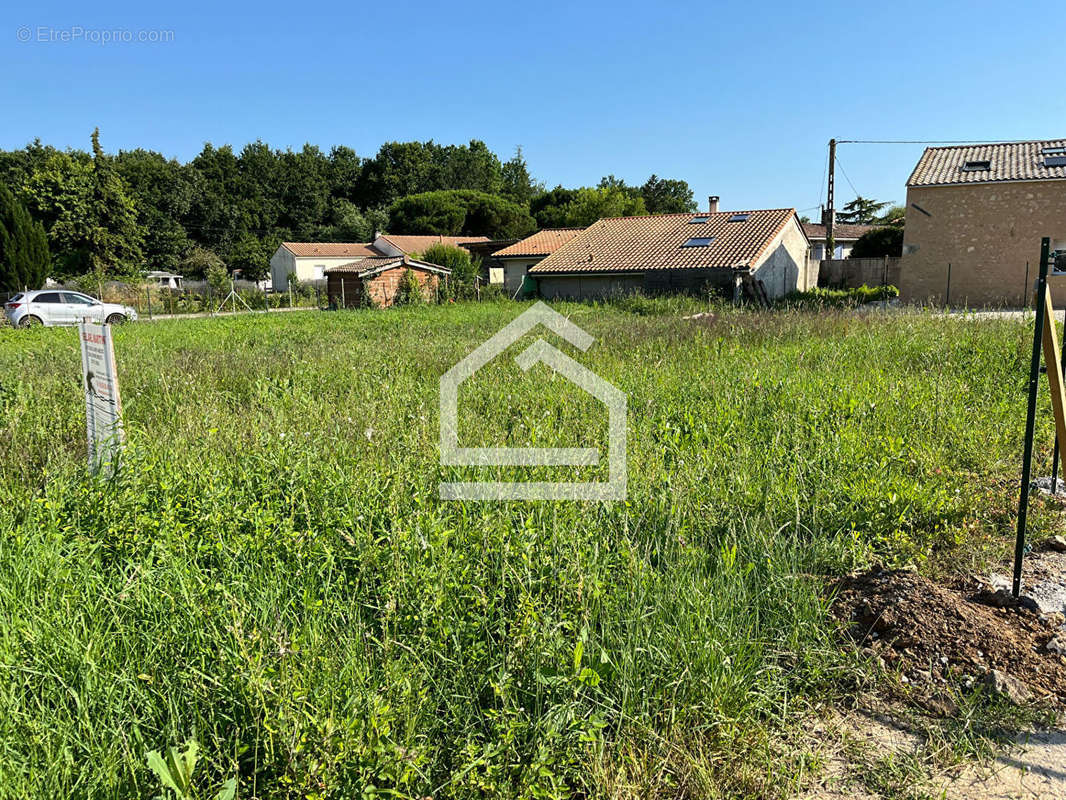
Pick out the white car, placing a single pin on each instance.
(62, 307)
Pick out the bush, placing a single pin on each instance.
(198, 262)
(887, 241)
(838, 298)
(464, 267)
(409, 292)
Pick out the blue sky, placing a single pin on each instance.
(737, 98)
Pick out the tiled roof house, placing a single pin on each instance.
(515, 260)
(311, 260)
(679, 252)
(982, 209)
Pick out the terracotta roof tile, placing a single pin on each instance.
(541, 243)
(417, 244)
(361, 265)
(636, 244)
(330, 249)
(815, 230)
(1014, 161)
(371, 263)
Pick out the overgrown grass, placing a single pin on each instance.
(273, 574)
(820, 298)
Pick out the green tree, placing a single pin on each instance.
(518, 186)
(90, 218)
(200, 262)
(345, 168)
(429, 212)
(348, 223)
(549, 208)
(667, 196)
(399, 169)
(405, 168)
(592, 204)
(473, 167)
(24, 259)
(886, 241)
(251, 255)
(464, 211)
(220, 212)
(304, 197)
(894, 216)
(257, 190)
(861, 211)
(162, 192)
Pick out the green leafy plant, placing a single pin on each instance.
(175, 772)
(409, 292)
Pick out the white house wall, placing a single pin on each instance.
(783, 268)
(308, 268)
(514, 272)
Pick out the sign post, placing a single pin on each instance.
(103, 405)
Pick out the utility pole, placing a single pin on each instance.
(830, 214)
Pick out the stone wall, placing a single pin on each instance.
(990, 235)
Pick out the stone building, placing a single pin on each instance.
(982, 209)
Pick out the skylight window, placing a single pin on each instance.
(1053, 151)
(699, 241)
(739, 218)
(976, 166)
(1055, 161)
(698, 220)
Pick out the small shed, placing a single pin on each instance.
(375, 280)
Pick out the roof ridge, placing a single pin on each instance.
(694, 214)
(992, 144)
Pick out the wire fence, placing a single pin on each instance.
(195, 296)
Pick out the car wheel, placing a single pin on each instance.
(30, 321)
(115, 319)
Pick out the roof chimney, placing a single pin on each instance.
(712, 204)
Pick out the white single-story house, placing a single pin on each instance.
(310, 260)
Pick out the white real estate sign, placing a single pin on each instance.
(103, 406)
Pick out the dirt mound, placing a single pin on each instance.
(961, 635)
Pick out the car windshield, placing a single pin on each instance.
(15, 297)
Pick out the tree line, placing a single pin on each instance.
(121, 214)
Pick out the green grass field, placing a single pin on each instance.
(273, 574)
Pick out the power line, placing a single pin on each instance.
(852, 185)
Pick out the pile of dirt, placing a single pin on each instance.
(961, 635)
